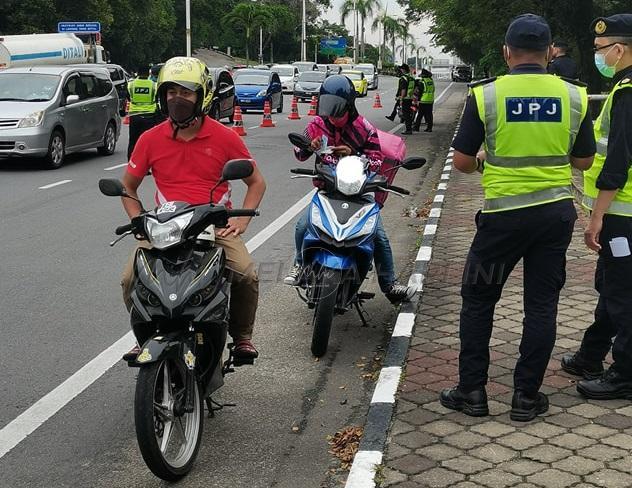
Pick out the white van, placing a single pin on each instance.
(288, 75)
(370, 72)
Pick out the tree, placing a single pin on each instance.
(364, 9)
(247, 17)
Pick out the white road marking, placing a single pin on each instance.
(430, 229)
(404, 325)
(424, 253)
(362, 474)
(28, 421)
(111, 168)
(387, 385)
(443, 92)
(62, 182)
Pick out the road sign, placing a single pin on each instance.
(79, 27)
(333, 45)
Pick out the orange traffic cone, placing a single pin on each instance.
(126, 118)
(312, 107)
(294, 110)
(267, 116)
(238, 125)
(377, 103)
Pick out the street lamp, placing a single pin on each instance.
(188, 25)
(304, 36)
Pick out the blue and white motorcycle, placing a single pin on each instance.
(338, 246)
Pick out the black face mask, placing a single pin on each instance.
(181, 110)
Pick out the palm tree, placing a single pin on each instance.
(363, 8)
(247, 17)
(388, 24)
(407, 39)
(392, 29)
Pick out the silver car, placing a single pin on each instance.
(50, 111)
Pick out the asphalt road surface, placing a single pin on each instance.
(61, 308)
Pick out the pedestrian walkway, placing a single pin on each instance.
(579, 443)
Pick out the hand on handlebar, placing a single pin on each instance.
(138, 227)
(316, 143)
(236, 226)
(342, 150)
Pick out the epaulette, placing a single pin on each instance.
(482, 82)
(574, 82)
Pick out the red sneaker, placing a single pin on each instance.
(245, 349)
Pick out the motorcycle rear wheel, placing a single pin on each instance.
(327, 284)
(168, 437)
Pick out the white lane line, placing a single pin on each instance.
(443, 92)
(62, 182)
(362, 474)
(27, 422)
(424, 253)
(404, 325)
(253, 127)
(115, 167)
(435, 212)
(430, 229)
(396, 128)
(387, 385)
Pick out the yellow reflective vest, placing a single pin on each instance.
(429, 90)
(531, 123)
(142, 96)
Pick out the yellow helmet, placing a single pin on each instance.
(189, 73)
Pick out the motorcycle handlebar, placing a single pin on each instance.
(303, 171)
(123, 229)
(398, 189)
(243, 212)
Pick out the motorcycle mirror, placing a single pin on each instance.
(299, 140)
(237, 169)
(112, 187)
(413, 163)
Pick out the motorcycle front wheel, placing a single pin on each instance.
(168, 437)
(326, 285)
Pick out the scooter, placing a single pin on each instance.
(338, 246)
(180, 307)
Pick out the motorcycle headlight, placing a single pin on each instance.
(166, 234)
(350, 175)
(262, 93)
(32, 120)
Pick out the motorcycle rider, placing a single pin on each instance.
(186, 155)
(339, 121)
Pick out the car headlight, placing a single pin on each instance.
(262, 93)
(350, 176)
(297, 86)
(166, 234)
(317, 220)
(32, 120)
(368, 226)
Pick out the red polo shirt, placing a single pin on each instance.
(187, 170)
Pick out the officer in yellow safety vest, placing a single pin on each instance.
(608, 194)
(142, 107)
(426, 101)
(534, 127)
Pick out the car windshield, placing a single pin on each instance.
(283, 71)
(368, 70)
(27, 87)
(315, 76)
(250, 79)
(353, 76)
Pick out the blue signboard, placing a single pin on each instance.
(79, 27)
(333, 45)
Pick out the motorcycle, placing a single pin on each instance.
(338, 246)
(180, 308)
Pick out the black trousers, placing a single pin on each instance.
(407, 113)
(613, 314)
(424, 111)
(394, 112)
(139, 124)
(540, 236)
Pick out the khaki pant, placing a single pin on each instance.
(244, 285)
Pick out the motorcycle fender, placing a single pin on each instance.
(333, 261)
(161, 347)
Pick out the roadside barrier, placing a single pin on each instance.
(267, 116)
(294, 110)
(238, 125)
(313, 107)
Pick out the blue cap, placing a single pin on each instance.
(528, 31)
(619, 25)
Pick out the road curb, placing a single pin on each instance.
(382, 406)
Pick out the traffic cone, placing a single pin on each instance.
(238, 122)
(126, 118)
(294, 110)
(377, 103)
(312, 107)
(267, 116)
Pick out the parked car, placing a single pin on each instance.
(223, 99)
(359, 81)
(324, 68)
(308, 84)
(119, 78)
(254, 86)
(51, 111)
(288, 75)
(370, 72)
(334, 69)
(305, 66)
(462, 73)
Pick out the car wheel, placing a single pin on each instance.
(280, 109)
(56, 150)
(109, 141)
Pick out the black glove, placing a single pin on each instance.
(138, 228)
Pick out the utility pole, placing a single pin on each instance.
(304, 36)
(355, 33)
(188, 25)
(260, 45)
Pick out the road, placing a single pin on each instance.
(61, 307)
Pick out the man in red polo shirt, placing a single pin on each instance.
(186, 155)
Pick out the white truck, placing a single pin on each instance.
(41, 49)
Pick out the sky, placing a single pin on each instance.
(394, 10)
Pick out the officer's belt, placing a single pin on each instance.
(524, 162)
(528, 199)
(614, 208)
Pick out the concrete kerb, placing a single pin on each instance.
(381, 408)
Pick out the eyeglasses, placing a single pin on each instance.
(599, 48)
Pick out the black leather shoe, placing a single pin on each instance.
(525, 408)
(473, 403)
(610, 386)
(390, 118)
(578, 365)
(406, 133)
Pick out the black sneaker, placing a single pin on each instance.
(416, 129)
(577, 364)
(610, 386)
(525, 408)
(392, 119)
(407, 133)
(473, 403)
(293, 278)
(399, 293)
(427, 130)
